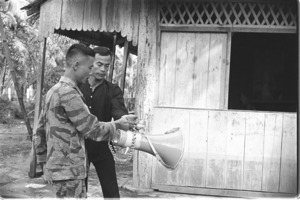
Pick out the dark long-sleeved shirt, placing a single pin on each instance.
(105, 102)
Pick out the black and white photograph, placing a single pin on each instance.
(149, 99)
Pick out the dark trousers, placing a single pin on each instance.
(106, 172)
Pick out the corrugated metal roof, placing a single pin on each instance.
(88, 15)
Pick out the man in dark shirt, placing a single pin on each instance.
(104, 100)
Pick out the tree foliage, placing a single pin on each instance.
(26, 50)
(26, 53)
(130, 79)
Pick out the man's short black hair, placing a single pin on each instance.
(78, 49)
(102, 51)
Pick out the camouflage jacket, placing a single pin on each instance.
(63, 124)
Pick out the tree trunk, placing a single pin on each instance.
(14, 78)
(3, 73)
(38, 105)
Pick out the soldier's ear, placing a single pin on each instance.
(75, 66)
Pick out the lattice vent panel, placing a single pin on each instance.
(269, 14)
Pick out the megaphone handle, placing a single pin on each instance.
(155, 152)
(133, 140)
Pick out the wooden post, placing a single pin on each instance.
(145, 90)
(124, 65)
(40, 84)
(14, 78)
(38, 104)
(112, 66)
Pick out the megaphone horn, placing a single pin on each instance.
(167, 148)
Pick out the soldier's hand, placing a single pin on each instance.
(46, 177)
(140, 125)
(126, 122)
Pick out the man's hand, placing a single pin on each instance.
(126, 122)
(46, 178)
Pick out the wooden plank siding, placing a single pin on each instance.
(216, 146)
(183, 69)
(193, 70)
(216, 71)
(197, 163)
(235, 142)
(145, 94)
(200, 71)
(167, 69)
(272, 149)
(288, 171)
(91, 15)
(241, 150)
(253, 152)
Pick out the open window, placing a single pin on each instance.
(263, 72)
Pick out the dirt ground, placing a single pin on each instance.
(14, 152)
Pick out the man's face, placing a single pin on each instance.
(85, 64)
(101, 66)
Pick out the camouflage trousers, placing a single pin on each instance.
(70, 188)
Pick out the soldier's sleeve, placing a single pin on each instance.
(85, 123)
(40, 140)
(118, 108)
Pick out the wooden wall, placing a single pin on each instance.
(193, 70)
(224, 149)
(252, 151)
(145, 94)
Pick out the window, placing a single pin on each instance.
(263, 72)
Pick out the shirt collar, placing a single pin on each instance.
(71, 83)
(95, 86)
(68, 80)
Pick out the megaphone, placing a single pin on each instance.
(167, 148)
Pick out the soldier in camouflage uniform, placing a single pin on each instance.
(64, 123)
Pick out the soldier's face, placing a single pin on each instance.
(101, 66)
(84, 68)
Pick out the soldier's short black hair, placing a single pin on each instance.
(78, 49)
(103, 51)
